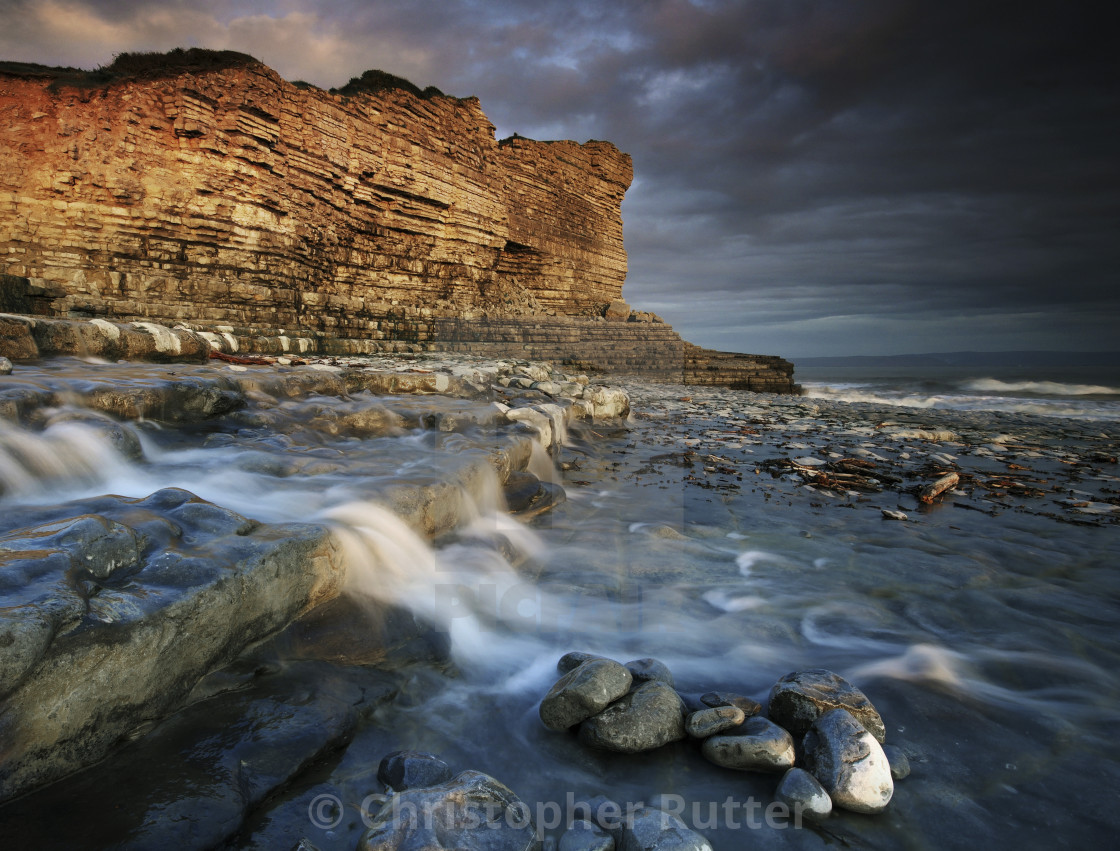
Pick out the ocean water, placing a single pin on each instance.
(984, 627)
(1087, 393)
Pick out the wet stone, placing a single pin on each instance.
(848, 762)
(470, 811)
(801, 697)
(726, 698)
(571, 661)
(802, 793)
(412, 769)
(650, 670)
(710, 722)
(757, 745)
(584, 835)
(899, 762)
(654, 830)
(5, 366)
(583, 692)
(645, 719)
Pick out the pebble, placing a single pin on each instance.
(710, 722)
(571, 661)
(757, 745)
(654, 830)
(412, 769)
(584, 835)
(584, 692)
(726, 698)
(899, 762)
(650, 670)
(802, 793)
(5, 366)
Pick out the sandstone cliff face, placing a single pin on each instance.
(235, 197)
(277, 217)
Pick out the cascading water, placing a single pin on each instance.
(986, 638)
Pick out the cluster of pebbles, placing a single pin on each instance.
(819, 731)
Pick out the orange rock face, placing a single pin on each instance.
(234, 197)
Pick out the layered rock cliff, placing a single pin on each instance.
(217, 194)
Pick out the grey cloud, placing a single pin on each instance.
(809, 172)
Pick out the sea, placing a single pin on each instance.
(983, 625)
(1085, 392)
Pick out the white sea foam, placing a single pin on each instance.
(1039, 388)
(1067, 400)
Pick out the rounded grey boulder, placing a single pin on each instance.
(583, 692)
(650, 716)
(757, 745)
(800, 698)
(848, 762)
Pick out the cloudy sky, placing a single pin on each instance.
(813, 177)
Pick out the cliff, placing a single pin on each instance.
(202, 189)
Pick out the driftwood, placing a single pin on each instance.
(222, 356)
(930, 492)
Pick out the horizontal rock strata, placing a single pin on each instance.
(233, 203)
(232, 196)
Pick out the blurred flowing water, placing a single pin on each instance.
(989, 642)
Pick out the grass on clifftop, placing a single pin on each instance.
(374, 81)
(154, 65)
(135, 66)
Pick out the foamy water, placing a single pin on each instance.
(936, 391)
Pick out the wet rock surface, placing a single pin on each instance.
(848, 762)
(585, 691)
(803, 794)
(470, 811)
(650, 829)
(645, 719)
(799, 698)
(755, 745)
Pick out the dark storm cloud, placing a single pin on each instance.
(811, 176)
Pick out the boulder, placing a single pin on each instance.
(617, 311)
(650, 716)
(801, 697)
(849, 763)
(583, 692)
(757, 745)
(470, 811)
